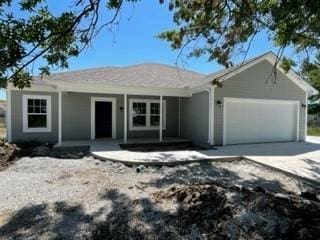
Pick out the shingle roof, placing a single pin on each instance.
(153, 75)
(141, 75)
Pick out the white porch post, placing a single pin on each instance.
(160, 125)
(125, 118)
(211, 116)
(60, 118)
(179, 125)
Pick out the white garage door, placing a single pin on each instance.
(258, 120)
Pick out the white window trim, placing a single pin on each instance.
(93, 115)
(25, 114)
(148, 127)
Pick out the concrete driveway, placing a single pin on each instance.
(298, 158)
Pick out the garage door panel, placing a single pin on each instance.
(260, 121)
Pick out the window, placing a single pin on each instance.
(139, 118)
(36, 113)
(145, 114)
(154, 114)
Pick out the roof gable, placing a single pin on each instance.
(155, 75)
(225, 74)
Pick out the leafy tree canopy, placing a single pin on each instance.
(224, 28)
(32, 32)
(218, 29)
(311, 72)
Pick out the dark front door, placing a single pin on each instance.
(103, 119)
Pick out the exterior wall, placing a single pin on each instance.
(76, 117)
(172, 119)
(17, 118)
(252, 83)
(195, 117)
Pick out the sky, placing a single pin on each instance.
(134, 41)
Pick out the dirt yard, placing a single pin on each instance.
(2, 130)
(50, 198)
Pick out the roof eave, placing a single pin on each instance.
(121, 89)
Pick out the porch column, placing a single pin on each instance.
(125, 118)
(179, 124)
(211, 116)
(160, 125)
(60, 117)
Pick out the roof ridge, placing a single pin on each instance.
(124, 67)
(166, 65)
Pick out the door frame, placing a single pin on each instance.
(93, 115)
(257, 100)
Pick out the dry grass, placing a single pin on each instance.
(2, 130)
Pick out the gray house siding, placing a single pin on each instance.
(76, 117)
(172, 119)
(17, 118)
(251, 83)
(195, 117)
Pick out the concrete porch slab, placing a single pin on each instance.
(112, 151)
(299, 159)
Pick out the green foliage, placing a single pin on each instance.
(221, 29)
(23, 40)
(225, 28)
(31, 31)
(287, 64)
(313, 131)
(311, 72)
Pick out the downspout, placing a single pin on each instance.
(306, 118)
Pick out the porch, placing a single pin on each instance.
(109, 149)
(117, 118)
(115, 143)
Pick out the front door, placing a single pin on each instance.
(103, 119)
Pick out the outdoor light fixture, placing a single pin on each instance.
(303, 105)
(219, 103)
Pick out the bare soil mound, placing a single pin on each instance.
(216, 212)
(8, 153)
(213, 211)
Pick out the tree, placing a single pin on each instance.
(224, 28)
(218, 29)
(32, 32)
(311, 72)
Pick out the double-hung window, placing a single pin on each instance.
(145, 114)
(36, 113)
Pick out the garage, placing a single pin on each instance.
(259, 120)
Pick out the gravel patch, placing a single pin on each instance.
(44, 197)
